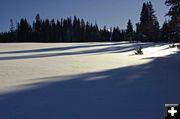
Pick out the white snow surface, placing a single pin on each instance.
(87, 80)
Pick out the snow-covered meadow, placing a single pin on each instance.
(87, 80)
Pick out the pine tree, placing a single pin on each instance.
(59, 31)
(87, 32)
(53, 31)
(11, 26)
(165, 32)
(65, 30)
(24, 31)
(129, 31)
(104, 34)
(95, 33)
(12, 34)
(144, 22)
(70, 29)
(82, 30)
(116, 35)
(37, 28)
(156, 32)
(138, 35)
(154, 28)
(149, 25)
(174, 13)
(76, 29)
(46, 27)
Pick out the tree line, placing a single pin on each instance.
(77, 30)
(65, 30)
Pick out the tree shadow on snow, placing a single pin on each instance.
(77, 46)
(45, 53)
(129, 92)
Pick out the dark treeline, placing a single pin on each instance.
(171, 28)
(65, 30)
(77, 30)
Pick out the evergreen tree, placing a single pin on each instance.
(82, 31)
(45, 33)
(138, 35)
(154, 28)
(149, 26)
(129, 31)
(123, 35)
(95, 33)
(12, 34)
(143, 23)
(59, 31)
(165, 32)
(87, 32)
(174, 13)
(156, 32)
(53, 31)
(65, 30)
(116, 35)
(24, 31)
(76, 29)
(37, 28)
(104, 34)
(70, 29)
(11, 26)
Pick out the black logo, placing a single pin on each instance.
(172, 111)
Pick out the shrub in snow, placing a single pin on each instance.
(178, 46)
(139, 51)
(172, 46)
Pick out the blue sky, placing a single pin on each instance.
(104, 12)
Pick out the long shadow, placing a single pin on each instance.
(135, 46)
(111, 49)
(62, 48)
(130, 92)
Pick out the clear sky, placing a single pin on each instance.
(104, 12)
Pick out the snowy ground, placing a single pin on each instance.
(87, 80)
